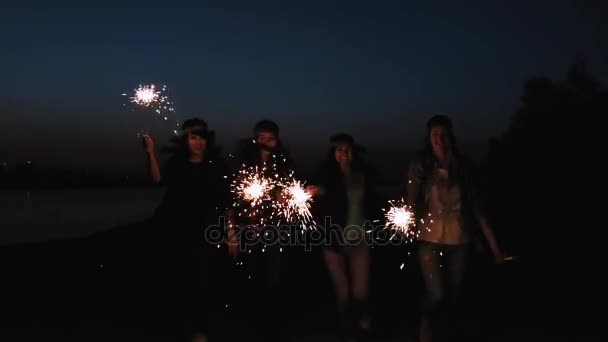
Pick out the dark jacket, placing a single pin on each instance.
(332, 203)
(248, 156)
(196, 195)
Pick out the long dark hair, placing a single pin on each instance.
(330, 169)
(330, 176)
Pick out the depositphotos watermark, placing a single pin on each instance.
(327, 234)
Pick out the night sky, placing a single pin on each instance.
(376, 69)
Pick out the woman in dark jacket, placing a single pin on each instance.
(197, 196)
(346, 206)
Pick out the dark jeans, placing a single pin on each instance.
(443, 268)
(263, 293)
(191, 279)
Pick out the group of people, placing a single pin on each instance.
(440, 187)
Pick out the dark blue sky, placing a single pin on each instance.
(377, 69)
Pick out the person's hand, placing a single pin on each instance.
(233, 243)
(233, 248)
(148, 143)
(276, 194)
(499, 258)
(313, 190)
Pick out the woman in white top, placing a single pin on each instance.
(441, 189)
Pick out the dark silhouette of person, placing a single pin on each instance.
(188, 217)
(442, 188)
(345, 200)
(264, 253)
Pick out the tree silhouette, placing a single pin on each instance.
(541, 166)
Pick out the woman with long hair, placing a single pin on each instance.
(345, 206)
(442, 189)
(189, 218)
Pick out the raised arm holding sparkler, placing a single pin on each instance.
(191, 219)
(153, 165)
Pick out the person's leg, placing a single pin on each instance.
(207, 296)
(359, 262)
(260, 295)
(189, 299)
(456, 258)
(430, 266)
(274, 288)
(336, 266)
(275, 266)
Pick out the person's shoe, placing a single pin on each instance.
(199, 338)
(424, 334)
(364, 328)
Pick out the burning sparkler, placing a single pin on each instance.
(272, 197)
(252, 186)
(400, 218)
(150, 96)
(297, 201)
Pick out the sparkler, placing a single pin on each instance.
(272, 198)
(252, 186)
(296, 201)
(149, 96)
(400, 218)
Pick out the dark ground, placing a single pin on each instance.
(106, 288)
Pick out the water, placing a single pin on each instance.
(50, 215)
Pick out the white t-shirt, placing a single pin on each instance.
(445, 223)
(355, 193)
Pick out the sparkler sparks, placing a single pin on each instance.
(149, 96)
(400, 218)
(272, 199)
(296, 201)
(252, 186)
(145, 95)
